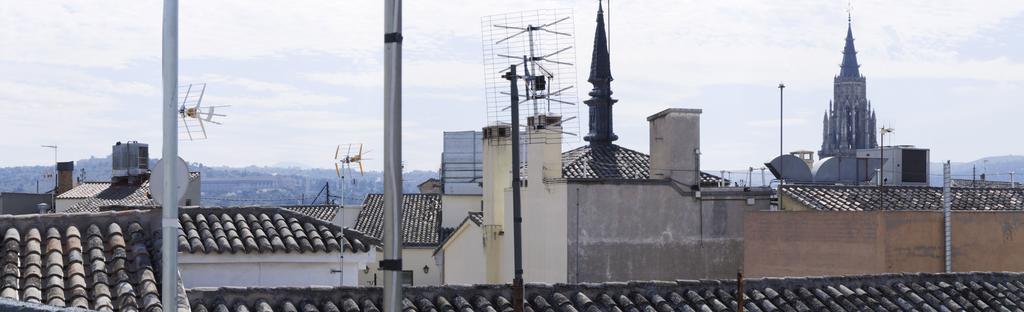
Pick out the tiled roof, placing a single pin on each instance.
(262, 230)
(477, 217)
(101, 261)
(610, 161)
(895, 292)
(862, 198)
(982, 183)
(605, 161)
(322, 212)
(112, 195)
(85, 190)
(115, 195)
(421, 219)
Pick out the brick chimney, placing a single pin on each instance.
(675, 145)
(65, 177)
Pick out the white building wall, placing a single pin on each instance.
(255, 270)
(454, 208)
(62, 205)
(463, 257)
(413, 259)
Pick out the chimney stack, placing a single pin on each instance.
(675, 145)
(65, 177)
(497, 172)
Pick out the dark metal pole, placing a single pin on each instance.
(517, 217)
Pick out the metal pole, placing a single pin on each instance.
(739, 291)
(169, 224)
(782, 164)
(56, 177)
(517, 217)
(392, 263)
(947, 203)
(1012, 183)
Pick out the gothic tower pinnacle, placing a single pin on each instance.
(600, 101)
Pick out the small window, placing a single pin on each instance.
(406, 278)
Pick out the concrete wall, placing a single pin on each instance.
(836, 243)
(463, 257)
(287, 270)
(347, 216)
(413, 259)
(64, 204)
(654, 231)
(454, 208)
(22, 203)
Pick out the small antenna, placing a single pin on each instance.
(192, 115)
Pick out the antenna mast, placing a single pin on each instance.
(546, 38)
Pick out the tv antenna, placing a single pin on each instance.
(192, 116)
(542, 43)
(343, 164)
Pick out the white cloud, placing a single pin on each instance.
(311, 71)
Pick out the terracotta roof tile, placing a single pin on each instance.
(62, 266)
(865, 198)
(421, 218)
(890, 292)
(96, 195)
(262, 230)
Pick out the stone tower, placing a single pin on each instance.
(849, 123)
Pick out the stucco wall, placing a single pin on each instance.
(413, 259)
(833, 243)
(463, 258)
(64, 204)
(454, 208)
(653, 231)
(290, 270)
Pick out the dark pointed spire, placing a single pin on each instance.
(850, 68)
(600, 101)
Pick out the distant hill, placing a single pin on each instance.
(998, 168)
(232, 186)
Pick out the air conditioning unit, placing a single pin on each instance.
(130, 159)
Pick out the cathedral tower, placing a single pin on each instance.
(849, 123)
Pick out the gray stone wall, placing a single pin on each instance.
(650, 230)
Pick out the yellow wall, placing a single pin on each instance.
(787, 243)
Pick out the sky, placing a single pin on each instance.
(304, 76)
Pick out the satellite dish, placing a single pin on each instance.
(156, 180)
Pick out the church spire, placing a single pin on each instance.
(849, 68)
(600, 101)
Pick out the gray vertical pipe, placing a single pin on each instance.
(947, 205)
(169, 224)
(392, 263)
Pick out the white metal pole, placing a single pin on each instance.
(392, 263)
(947, 203)
(169, 223)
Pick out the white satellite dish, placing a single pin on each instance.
(156, 180)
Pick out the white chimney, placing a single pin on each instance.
(544, 154)
(675, 145)
(497, 171)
